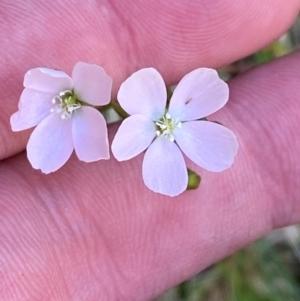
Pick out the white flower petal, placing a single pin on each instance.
(199, 94)
(91, 84)
(164, 168)
(209, 145)
(144, 93)
(34, 106)
(90, 135)
(134, 136)
(47, 80)
(50, 144)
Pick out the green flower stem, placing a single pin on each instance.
(105, 108)
(116, 106)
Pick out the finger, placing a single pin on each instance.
(123, 37)
(98, 224)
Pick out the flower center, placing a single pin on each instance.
(65, 103)
(166, 125)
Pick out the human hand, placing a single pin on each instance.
(94, 231)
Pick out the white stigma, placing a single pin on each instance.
(65, 103)
(166, 126)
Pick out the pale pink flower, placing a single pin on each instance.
(168, 131)
(62, 108)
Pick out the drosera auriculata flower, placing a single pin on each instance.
(62, 109)
(167, 131)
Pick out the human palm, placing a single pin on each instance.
(94, 231)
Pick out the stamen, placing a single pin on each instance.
(166, 126)
(56, 100)
(65, 104)
(64, 93)
(65, 115)
(56, 109)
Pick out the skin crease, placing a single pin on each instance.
(93, 231)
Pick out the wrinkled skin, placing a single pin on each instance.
(94, 231)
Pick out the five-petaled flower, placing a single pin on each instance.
(62, 108)
(164, 131)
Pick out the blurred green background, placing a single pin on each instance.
(269, 269)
